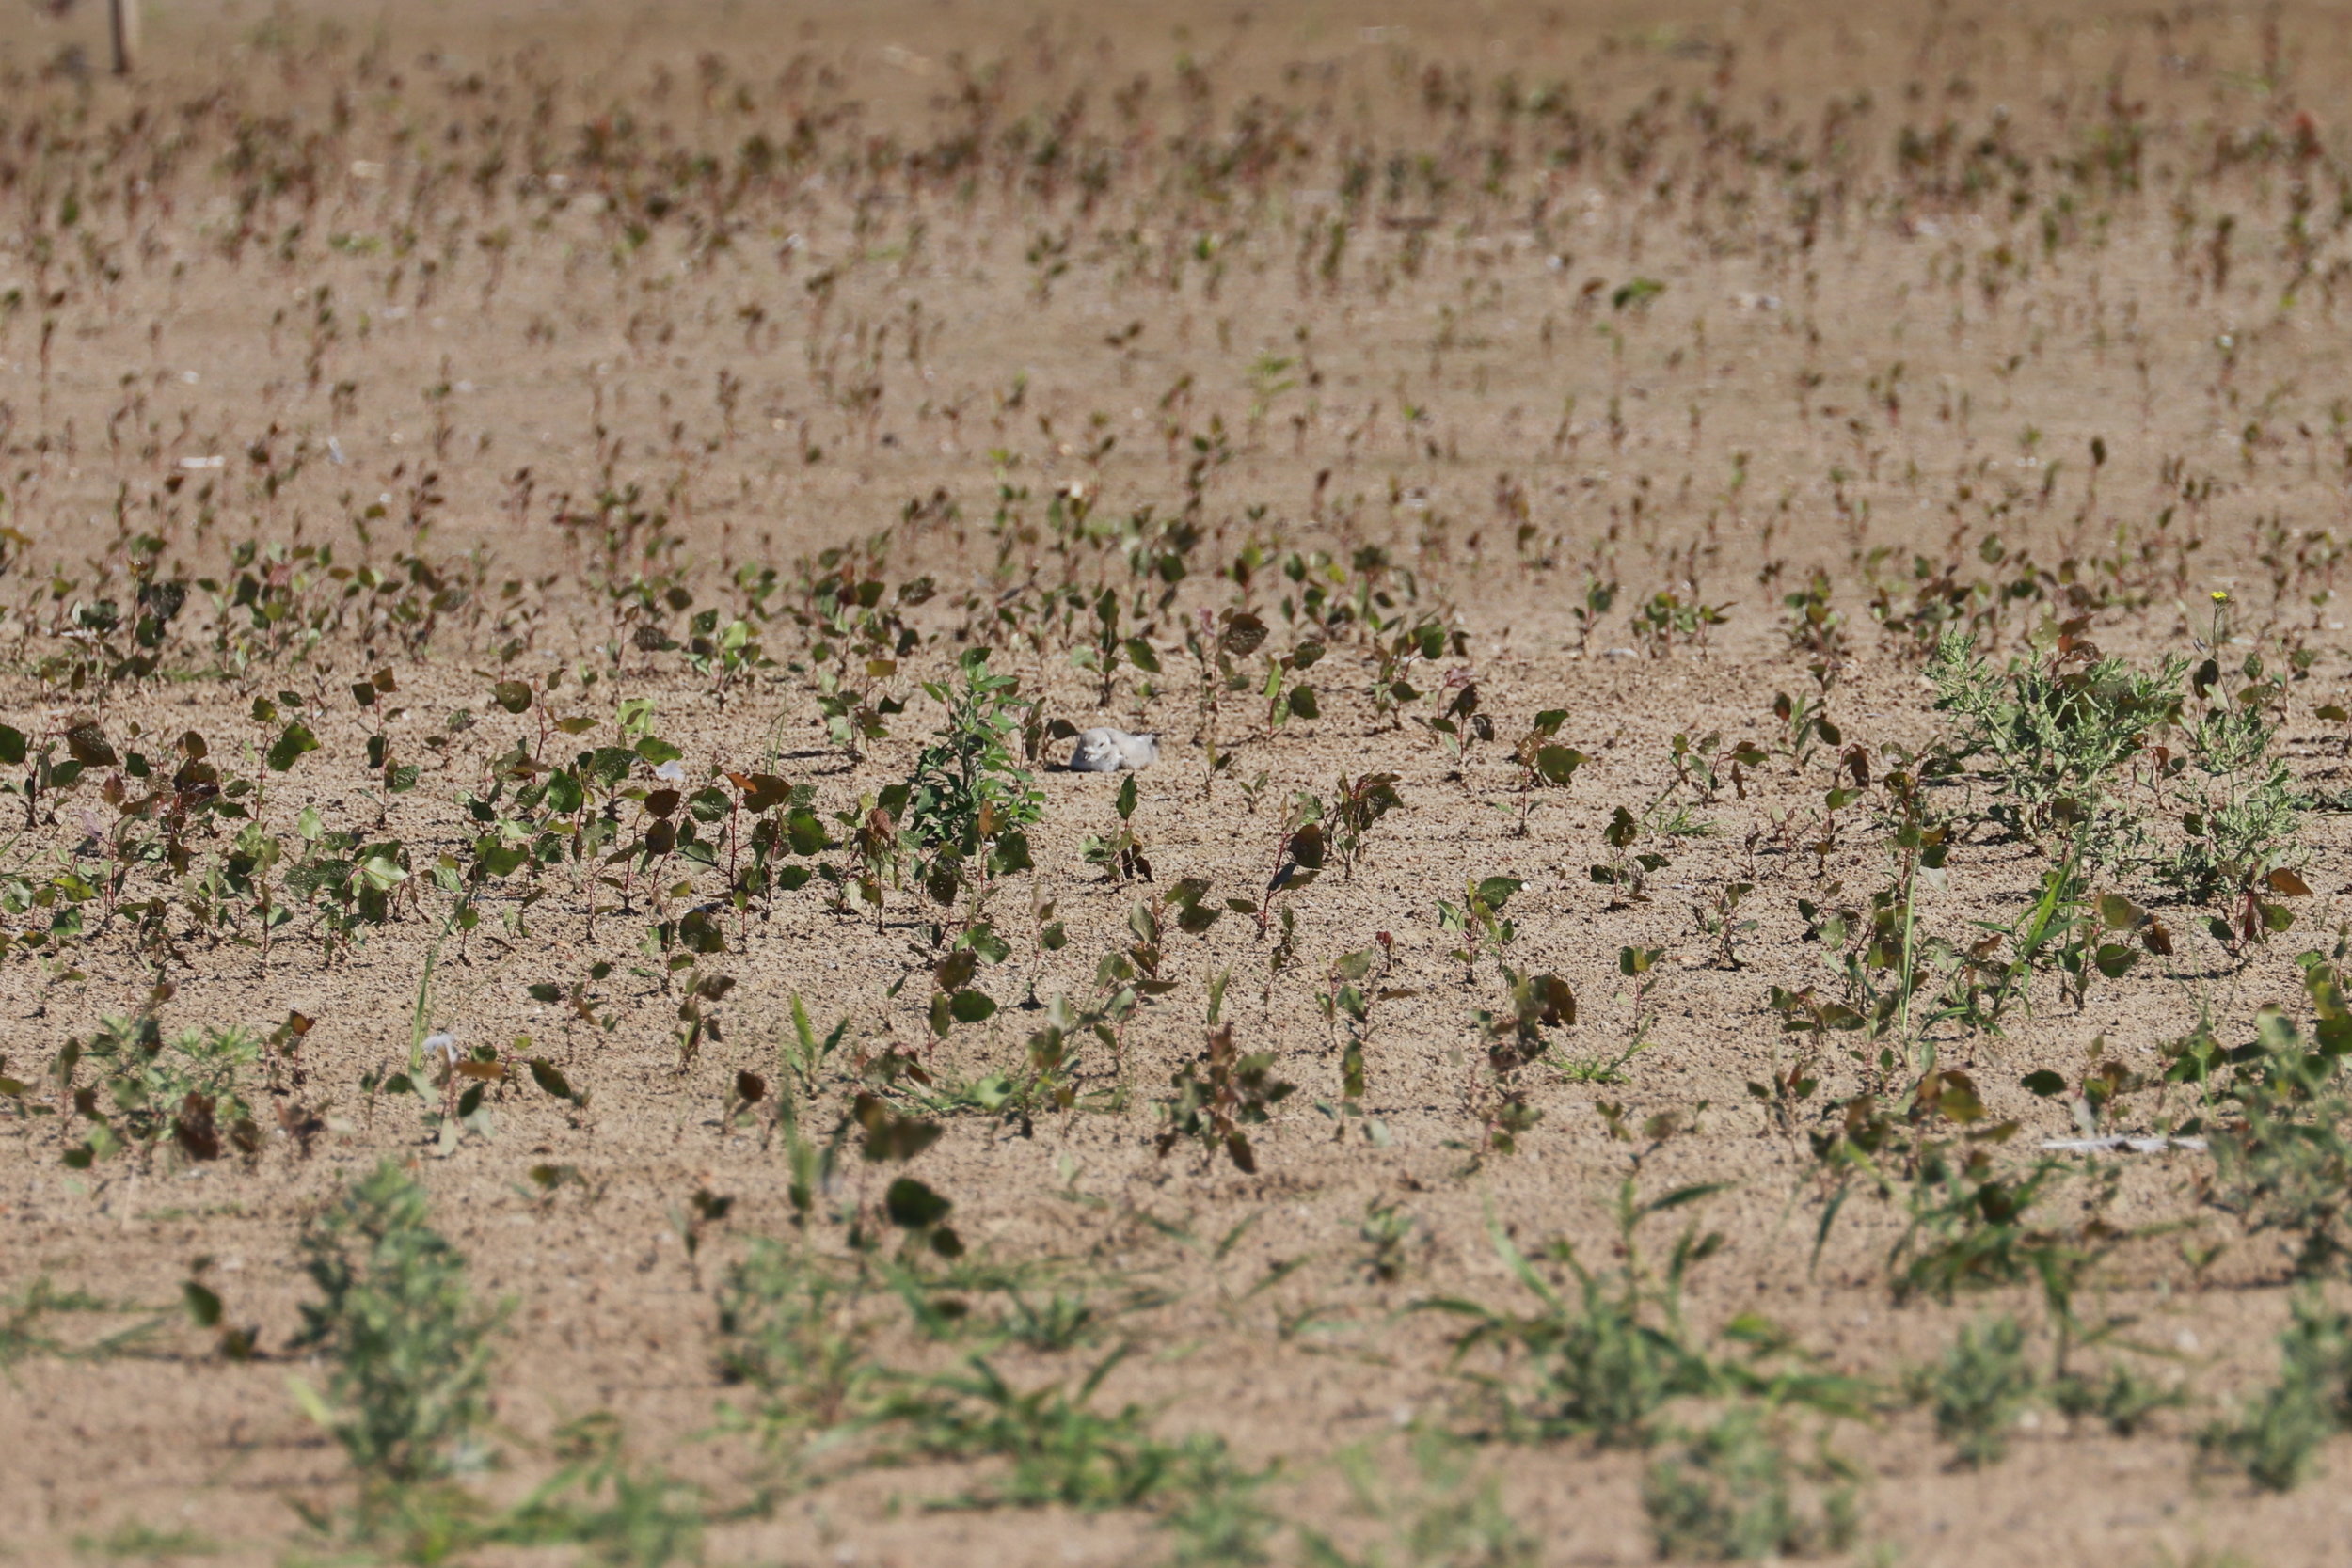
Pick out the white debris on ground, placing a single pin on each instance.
(1108, 750)
(2120, 1143)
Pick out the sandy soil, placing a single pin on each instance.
(492, 343)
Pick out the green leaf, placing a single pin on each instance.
(912, 1206)
(550, 1078)
(889, 1135)
(1302, 701)
(1495, 892)
(1139, 654)
(12, 745)
(1243, 633)
(513, 696)
(2045, 1084)
(2115, 960)
(1127, 799)
(87, 744)
(609, 765)
(1557, 765)
(1010, 854)
(1638, 290)
(295, 741)
(971, 1006)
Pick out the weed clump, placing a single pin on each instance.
(409, 1391)
(1980, 1389)
(2275, 1436)
(1731, 1494)
(2052, 731)
(968, 791)
(187, 1091)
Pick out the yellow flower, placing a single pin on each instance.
(2221, 596)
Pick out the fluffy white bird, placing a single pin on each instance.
(1108, 750)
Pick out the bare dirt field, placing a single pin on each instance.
(1741, 612)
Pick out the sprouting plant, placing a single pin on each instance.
(1460, 726)
(1980, 1389)
(1351, 993)
(1347, 819)
(1120, 855)
(1217, 1094)
(1516, 1035)
(1435, 1514)
(2280, 1122)
(187, 1090)
(1110, 648)
(2277, 1434)
(1220, 1094)
(1599, 598)
(2053, 732)
(1298, 858)
(2239, 831)
(1666, 619)
(1386, 1233)
(1732, 1494)
(1627, 868)
(1700, 764)
(968, 801)
(1479, 920)
(724, 655)
(1806, 723)
(1396, 649)
(1718, 919)
(1816, 630)
(1287, 695)
(1216, 642)
(409, 1349)
(1604, 1362)
(1543, 762)
(1640, 967)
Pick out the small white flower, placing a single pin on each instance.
(442, 1047)
(671, 772)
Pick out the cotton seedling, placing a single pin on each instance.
(1121, 855)
(1516, 1035)
(1542, 763)
(1480, 921)
(1718, 919)
(1643, 969)
(1396, 651)
(1219, 1094)
(1353, 990)
(1347, 818)
(1110, 649)
(1458, 726)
